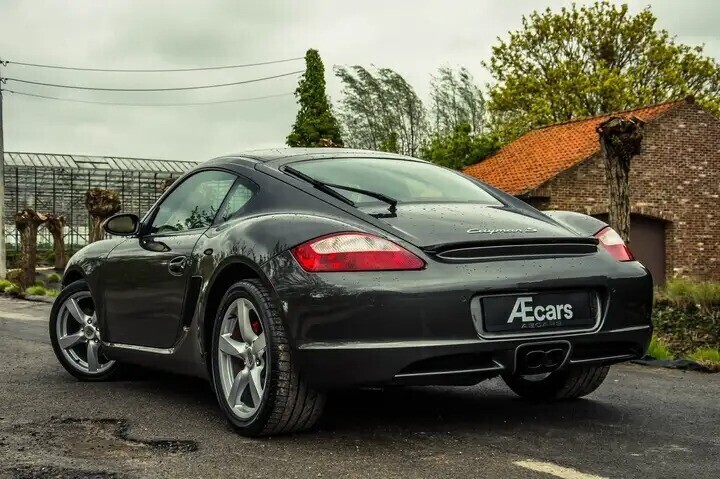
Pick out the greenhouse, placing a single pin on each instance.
(53, 183)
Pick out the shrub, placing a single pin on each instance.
(685, 329)
(678, 291)
(13, 289)
(658, 350)
(39, 282)
(35, 291)
(53, 278)
(706, 295)
(4, 284)
(683, 292)
(686, 316)
(52, 292)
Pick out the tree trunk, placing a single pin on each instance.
(56, 225)
(620, 140)
(97, 233)
(27, 223)
(101, 204)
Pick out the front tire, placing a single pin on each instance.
(75, 335)
(256, 380)
(571, 383)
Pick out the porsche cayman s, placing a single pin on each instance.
(281, 275)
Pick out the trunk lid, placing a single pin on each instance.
(433, 225)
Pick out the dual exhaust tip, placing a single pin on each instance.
(548, 359)
(539, 358)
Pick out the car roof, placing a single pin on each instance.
(280, 156)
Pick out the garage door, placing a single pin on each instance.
(647, 243)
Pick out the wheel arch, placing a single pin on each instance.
(71, 275)
(225, 275)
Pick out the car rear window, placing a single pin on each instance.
(406, 181)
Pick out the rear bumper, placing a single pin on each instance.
(453, 362)
(417, 327)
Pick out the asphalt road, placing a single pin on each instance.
(642, 423)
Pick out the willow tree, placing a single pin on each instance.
(456, 100)
(101, 204)
(620, 140)
(381, 111)
(27, 223)
(315, 124)
(56, 225)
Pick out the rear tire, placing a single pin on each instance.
(571, 383)
(254, 374)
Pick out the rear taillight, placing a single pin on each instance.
(354, 252)
(614, 244)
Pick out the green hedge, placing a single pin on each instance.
(686, 316)
(686, 328)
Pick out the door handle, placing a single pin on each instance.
(176, 266)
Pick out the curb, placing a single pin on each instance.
(26, 297)
(40, 299)
(682, 364)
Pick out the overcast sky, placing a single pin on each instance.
(412, 37)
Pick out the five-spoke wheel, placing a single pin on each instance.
(75, 334)
(241, 357)
(256, 381)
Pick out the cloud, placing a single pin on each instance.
(415, 38)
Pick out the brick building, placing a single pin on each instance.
(674, 183)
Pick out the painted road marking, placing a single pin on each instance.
(555, 470)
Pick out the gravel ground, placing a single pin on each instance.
(642, 422)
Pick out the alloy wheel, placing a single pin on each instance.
(78, 335)
(242, 358)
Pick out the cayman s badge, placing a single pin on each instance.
(473, 231)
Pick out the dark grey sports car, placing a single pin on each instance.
(283, 274)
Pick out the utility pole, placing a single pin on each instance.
(3, 253)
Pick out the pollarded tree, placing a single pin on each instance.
(27, 223)
(315, 123)
(101, 204)
(620, 140)
(166, 183)
(590, 60)
(56, 225)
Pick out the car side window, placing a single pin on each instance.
(236, 200)
(194, 203)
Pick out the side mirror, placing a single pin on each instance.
(123, 224)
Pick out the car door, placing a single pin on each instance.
(145, 278)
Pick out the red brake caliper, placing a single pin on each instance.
(256, 326)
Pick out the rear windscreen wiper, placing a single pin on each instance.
(319, 185)
(328, 188)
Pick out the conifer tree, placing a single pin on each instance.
(315, 124)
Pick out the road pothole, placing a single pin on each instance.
(71, 441)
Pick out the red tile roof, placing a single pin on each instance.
(542, 154)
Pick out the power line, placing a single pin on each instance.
(197, 87)
(73, 100)
(164, 70)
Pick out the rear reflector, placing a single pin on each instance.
(614, 244)
(354, 252)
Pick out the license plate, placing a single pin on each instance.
(539, 311)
